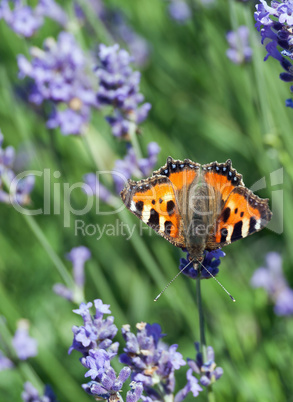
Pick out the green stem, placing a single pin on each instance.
(203, 345)
(48, 248)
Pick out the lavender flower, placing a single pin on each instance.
(131, 166)
(12, 189)
(93, 187)
(119, 87)
(30, 394)
(25, 20)
(5, 363)
(96, 333)
(239, 52)
(179, 11)
(104, 382)
(211, 263)
(24, 345)
(78, 256)
(208, 371)
(60, 77)
(271, 278)
(191, 386)
(151, 361)
(275, 24)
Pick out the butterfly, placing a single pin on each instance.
(197, 207)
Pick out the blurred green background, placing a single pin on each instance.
(204, 108)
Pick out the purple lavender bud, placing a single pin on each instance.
(30, 394)
(136, 392)
(63, 291)
(94, 187)
(101, 308)
(78, 256)
(179, 11)
(5, 363)
(191, 386)
(24, 21)
(206, 369)
(240, 50)
(24, 345)
(50, 9)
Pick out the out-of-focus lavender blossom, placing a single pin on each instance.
(275, 24)
(30, 394)
(60, 75)
(78, 256)
(151, 361)
(25, 20)
(131, 166)
(12, 189)
(24, 345)
(208, 371)
(211, 262)
(119, 87)
(96, 333)
(5, 363)
(138, 46)
(271, 278)
(93, 187)
(240, 51)
(179, 11)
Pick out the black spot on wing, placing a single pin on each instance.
(226, 214)
(139, 207)
(241, 214)
(224, 234)
(154, 218)
(170, 207)
(167, 227)
(236, 210)
(252, 224)
(237, 231)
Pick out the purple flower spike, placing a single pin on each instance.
(78, 256)
(59, 75)
(119, 87)
(5, 363)
(25, 20)
(12, 189)
(208, 371)
(179, 11)
(211, 263)
(30, 394)
(275, 23)
(24, 345)
(240, 50)
(150, 360)
(130, 166)
(93, 187)
(272, 279)
(96, 333)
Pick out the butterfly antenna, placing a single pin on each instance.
(172, 280)
(229, 294)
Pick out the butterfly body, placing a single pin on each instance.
(197, 207)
